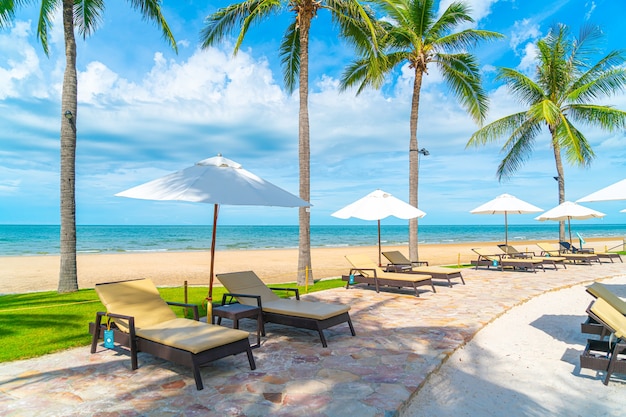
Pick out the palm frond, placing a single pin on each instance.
(518, 148)
(456, 14)
(496, 129)
(525, 89)
(150, 10)
(290, 56)
(44, 22)
(607, 118)
(466, 39)
(242, 15)
(88, 16)
(462, 74)
(577, 149)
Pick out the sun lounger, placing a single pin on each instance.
(366, 271)
(547, 249)
(144, 322)
(498, 261)
(512, 252)
(248, 289)
(599, 290)
(606, 356)
(399, 263)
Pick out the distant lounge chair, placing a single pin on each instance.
(399, 263)
(248, 289)
(601, 255)
(547, 249)
(569, 248)
(366, 271)
(499, 261)
(143, 322)
(510, 251)
(606, 356)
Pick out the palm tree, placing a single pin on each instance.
(354, 21)
(414, 35)
(567, 83)
(84, 15)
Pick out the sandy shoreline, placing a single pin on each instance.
(40, 273)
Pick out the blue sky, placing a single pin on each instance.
(145, 111)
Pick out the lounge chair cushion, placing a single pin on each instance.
(190, 335)
(139, 299)
(609, 315)
(299, 308)
(599, 290)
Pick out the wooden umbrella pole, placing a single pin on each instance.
(379, 248)
(209, 305)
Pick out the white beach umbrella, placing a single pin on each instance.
(506, 204)
(378, 205)
(615, 191)
(216, 181)
(568, 211)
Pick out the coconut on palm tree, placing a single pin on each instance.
(563, 94)
(413, 34)
(85, 16)
(354, 21)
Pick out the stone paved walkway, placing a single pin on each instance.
(401, 339)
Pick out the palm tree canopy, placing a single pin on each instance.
(87, 16)
(566, 81)
(354, 20)
(412, 33)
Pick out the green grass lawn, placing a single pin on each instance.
(34, 324)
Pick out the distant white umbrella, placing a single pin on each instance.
(217, 181)
(568, 211)
(615, 191)
(378, 205)
(506, 204)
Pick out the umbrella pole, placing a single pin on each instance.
(209, 306)
(506, 230)
(379, 248)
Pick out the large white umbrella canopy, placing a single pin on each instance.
(568, 211)
(217, 181)
(378, 205)
(506, 204)
(615, 191)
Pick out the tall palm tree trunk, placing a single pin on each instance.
(68, 277)
(304, 152)
(414, 164)
(560, 178)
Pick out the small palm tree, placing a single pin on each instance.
(566, 87)
(84, 15)
(413, 34)
(354, 21)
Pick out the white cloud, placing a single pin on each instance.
(524, 30)
(528, 62)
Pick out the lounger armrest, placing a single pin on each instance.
(129, 319)
(360, 270)
(233, 295)
(398, 267)
(419, 263)
(196, 315)
(294, 290)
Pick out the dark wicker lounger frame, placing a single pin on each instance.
(296, 321)
(137, 344)
(357, 277)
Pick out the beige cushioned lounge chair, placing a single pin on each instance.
(400, 263)
(599, 290)
(607, 356)
(248, 289)
(144, 322)
(366, 271)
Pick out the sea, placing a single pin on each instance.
(30, 240)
